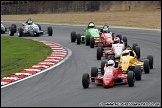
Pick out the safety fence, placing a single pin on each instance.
(36, 7)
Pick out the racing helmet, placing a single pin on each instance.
(126, 52)
(105, 29)
(91, 25)
(116, 40)
(30, 22)
(111, 63)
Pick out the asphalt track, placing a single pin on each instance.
(62, 86)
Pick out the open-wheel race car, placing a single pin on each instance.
(29, 29)
(3, 29)
(129, 61)
(89, 32)
(106, 38)
(116, 49)
(108, 75)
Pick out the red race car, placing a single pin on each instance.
(108, 75)
(106, 38)
(117, 47)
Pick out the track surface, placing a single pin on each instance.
(62, 87)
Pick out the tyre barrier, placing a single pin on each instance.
(58, 54)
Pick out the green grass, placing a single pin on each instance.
(20, 53)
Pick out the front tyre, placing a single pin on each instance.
(20, 32)
(87, 40)
(85, 80)
(99, 53)
(50, 31)
(78, 39)
(131, 79)
(137, 72)
(92, 41)
(12, 31)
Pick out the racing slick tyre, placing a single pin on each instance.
(5, 29)
(39, 27)
(15, 27)
(92, 41)
(101, 45)
(102, 66)
(113, 36)
(12, 31)
(125, 41)
(137, 51)
(78, 38)
(94, 72)
(20, 34)
(131, 79)
(87, 40)
(146, 66)
(137, 72)
(134, 46)
(85, 80)
(150, 57)
(73, 36)
(99, 53)
(50, 31)
(120, 36)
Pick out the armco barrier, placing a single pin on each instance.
(58, 54)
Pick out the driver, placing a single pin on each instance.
(126, 53)
(116, 40)
(106, 29)
(29, 21)
(91, 25)
(110, 63)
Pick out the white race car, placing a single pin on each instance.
(115, 50)
(3, 29)
(30, 30)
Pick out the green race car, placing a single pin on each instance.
(89, 32)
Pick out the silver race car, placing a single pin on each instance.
(30, 29)
(3, 29)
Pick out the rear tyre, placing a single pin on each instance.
(94, 72)
(73, 36)
(150, 57)
(15, 27)
(85, 80)
(125, 41)
(137, 51)
(120, 36)
(134, 46)
(50, 31)
(146, 66)
(103, 65)
(131, 79)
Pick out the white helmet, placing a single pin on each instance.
(111, 63)
(91, 25)
(126, 52)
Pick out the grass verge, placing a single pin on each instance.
(20, 53)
